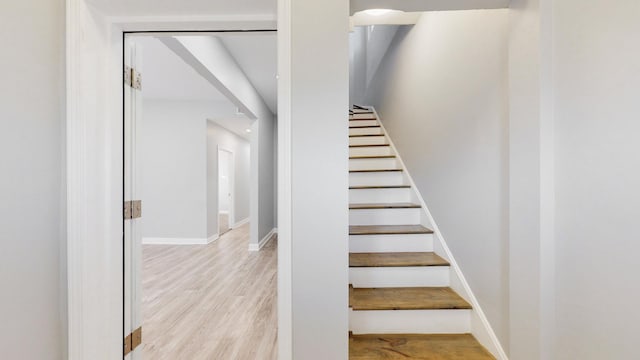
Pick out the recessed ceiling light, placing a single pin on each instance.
(247, 130)
(377, 12)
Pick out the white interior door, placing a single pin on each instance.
(132, 334)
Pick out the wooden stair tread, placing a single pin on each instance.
(366, 135)
(406, 298)
(396, 259)
(384, 206)
(416, 346)
(375, 170)
(373, 157)
(367, 187)
(388, 229)
(362, 119)
(363, 126)
(368, 145)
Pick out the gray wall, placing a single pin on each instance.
(173, 146)
(441, 92)
(218, 136)
(267, 164)
(596, 63)
(32, 246)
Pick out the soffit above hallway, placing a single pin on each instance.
(166, 76)
(186, 7)
(257, 56)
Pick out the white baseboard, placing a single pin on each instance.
(240, 223)
(223, 212)
(264, 241)
(179, 241)
(213, 238)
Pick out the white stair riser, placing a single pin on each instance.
(362, 116)
(368, 140)
(365, 131)
(363, 122)
(370, 151)
(410, 321)
(370, 196)
(391, 243)
(384, 216)
(380, 277)
(373, 164)
(376, 178)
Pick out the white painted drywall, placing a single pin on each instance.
(224, 181)
(357, 65)
(313, 252)
(173, 145)
(531, 193)
(368, 45)
(219, 137)
(441, 93)
(209, 57)
(596, 66)
(32, 232)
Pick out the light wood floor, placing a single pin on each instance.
(210, 302)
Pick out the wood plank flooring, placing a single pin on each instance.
(214, 301)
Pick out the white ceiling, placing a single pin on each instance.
(257, 56)
(166, 76)
(187, 7)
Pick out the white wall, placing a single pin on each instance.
(173, 146)
(210, 58)
(368, 45)
(32, 231)
(596, 66)
(441, 93)
(224, 180)
(219, 137)
(313, 178)
(531, 193)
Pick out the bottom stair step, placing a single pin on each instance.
(425, 347)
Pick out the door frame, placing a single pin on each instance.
(94, 104)
(232, 188)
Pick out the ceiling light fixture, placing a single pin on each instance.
(247, 130)
(377, 12)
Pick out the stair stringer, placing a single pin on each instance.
(480, 326)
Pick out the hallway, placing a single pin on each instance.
(210, 302)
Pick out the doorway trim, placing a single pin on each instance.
(94, 166)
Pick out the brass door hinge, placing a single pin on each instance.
(132, 209)
(132, 341)
(132, 78)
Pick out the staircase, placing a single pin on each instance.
(401, 303)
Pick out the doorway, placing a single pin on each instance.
(188, 145)
(225, 191)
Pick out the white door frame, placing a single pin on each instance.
(95, 170)
(232, 188)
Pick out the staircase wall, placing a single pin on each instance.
(441, 92)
